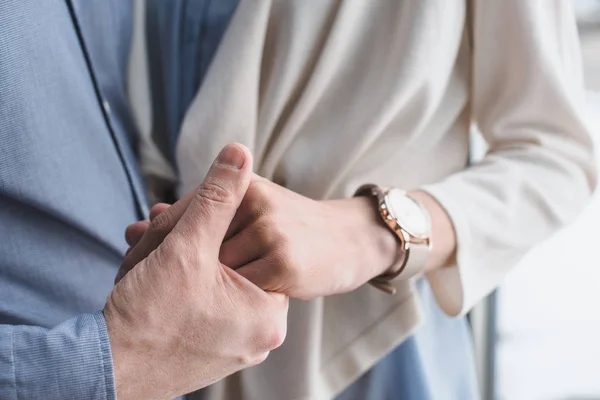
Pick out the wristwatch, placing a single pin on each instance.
(411, 224)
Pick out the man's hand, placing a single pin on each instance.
(180, 320)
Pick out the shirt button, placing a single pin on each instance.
(106, 106)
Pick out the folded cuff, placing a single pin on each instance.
(71, 361)
(449, 284)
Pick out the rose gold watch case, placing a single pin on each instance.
(405, 235)
(419, 244)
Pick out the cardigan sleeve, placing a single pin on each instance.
(539, 172)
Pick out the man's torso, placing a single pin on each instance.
(68, 185)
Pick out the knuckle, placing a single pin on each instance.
(245, 359)
(253, 359)
(261, 358)
(260, 196)
(276, 337)
(269, 330)
(262, 207)
(264, 233)
(286, 269)
(163, 253)
(174, 251)
(257, 359)
(277, 273)
(158, 208)
(161, 225)
(259, 188)
(268, 232)
(212, 191)
(274, 331)
(282, 253)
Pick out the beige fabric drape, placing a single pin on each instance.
(330, 94)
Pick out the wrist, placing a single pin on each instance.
(131, 372)
(379, 248)
(119, 351)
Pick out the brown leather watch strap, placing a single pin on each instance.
(382, 281)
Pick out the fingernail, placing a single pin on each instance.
(232, 156)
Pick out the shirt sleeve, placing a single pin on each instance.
(528, 102)
(70, 361)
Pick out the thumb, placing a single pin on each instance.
(216, 200)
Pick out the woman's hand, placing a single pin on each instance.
(288, 243)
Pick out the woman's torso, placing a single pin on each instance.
(369, 92)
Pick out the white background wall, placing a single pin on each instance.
(549, 324)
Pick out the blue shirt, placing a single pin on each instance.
(68, 186)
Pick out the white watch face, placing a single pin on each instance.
(409, 214)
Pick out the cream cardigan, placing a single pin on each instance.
(329, 95)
